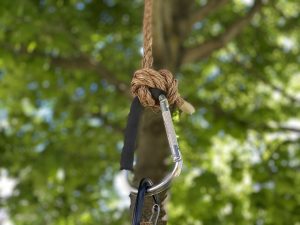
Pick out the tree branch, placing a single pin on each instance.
(75, 62)
(284, 93)
(205, 49)
(218, 112)
(199, 14)
(84, 62)
(289, 128)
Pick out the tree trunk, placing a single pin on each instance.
(152, 143)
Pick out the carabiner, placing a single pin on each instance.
(174, 148)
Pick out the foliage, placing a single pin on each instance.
(65, 67)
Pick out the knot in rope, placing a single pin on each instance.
(146, 78)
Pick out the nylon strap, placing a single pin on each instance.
(127, 155)
(138, 208)
(136, 109)
(131, 130)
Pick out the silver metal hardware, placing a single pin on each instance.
(174, 148)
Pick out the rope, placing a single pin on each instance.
(162, 79)
(147, 77)
(147, 31)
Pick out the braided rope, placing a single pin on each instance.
(147, 32)
(147, 77)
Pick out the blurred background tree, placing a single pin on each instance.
(65, 70)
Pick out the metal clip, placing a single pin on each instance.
(155, 210)
(174, 148)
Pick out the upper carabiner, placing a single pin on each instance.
(174, 148)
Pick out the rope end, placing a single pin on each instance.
(187, 107)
